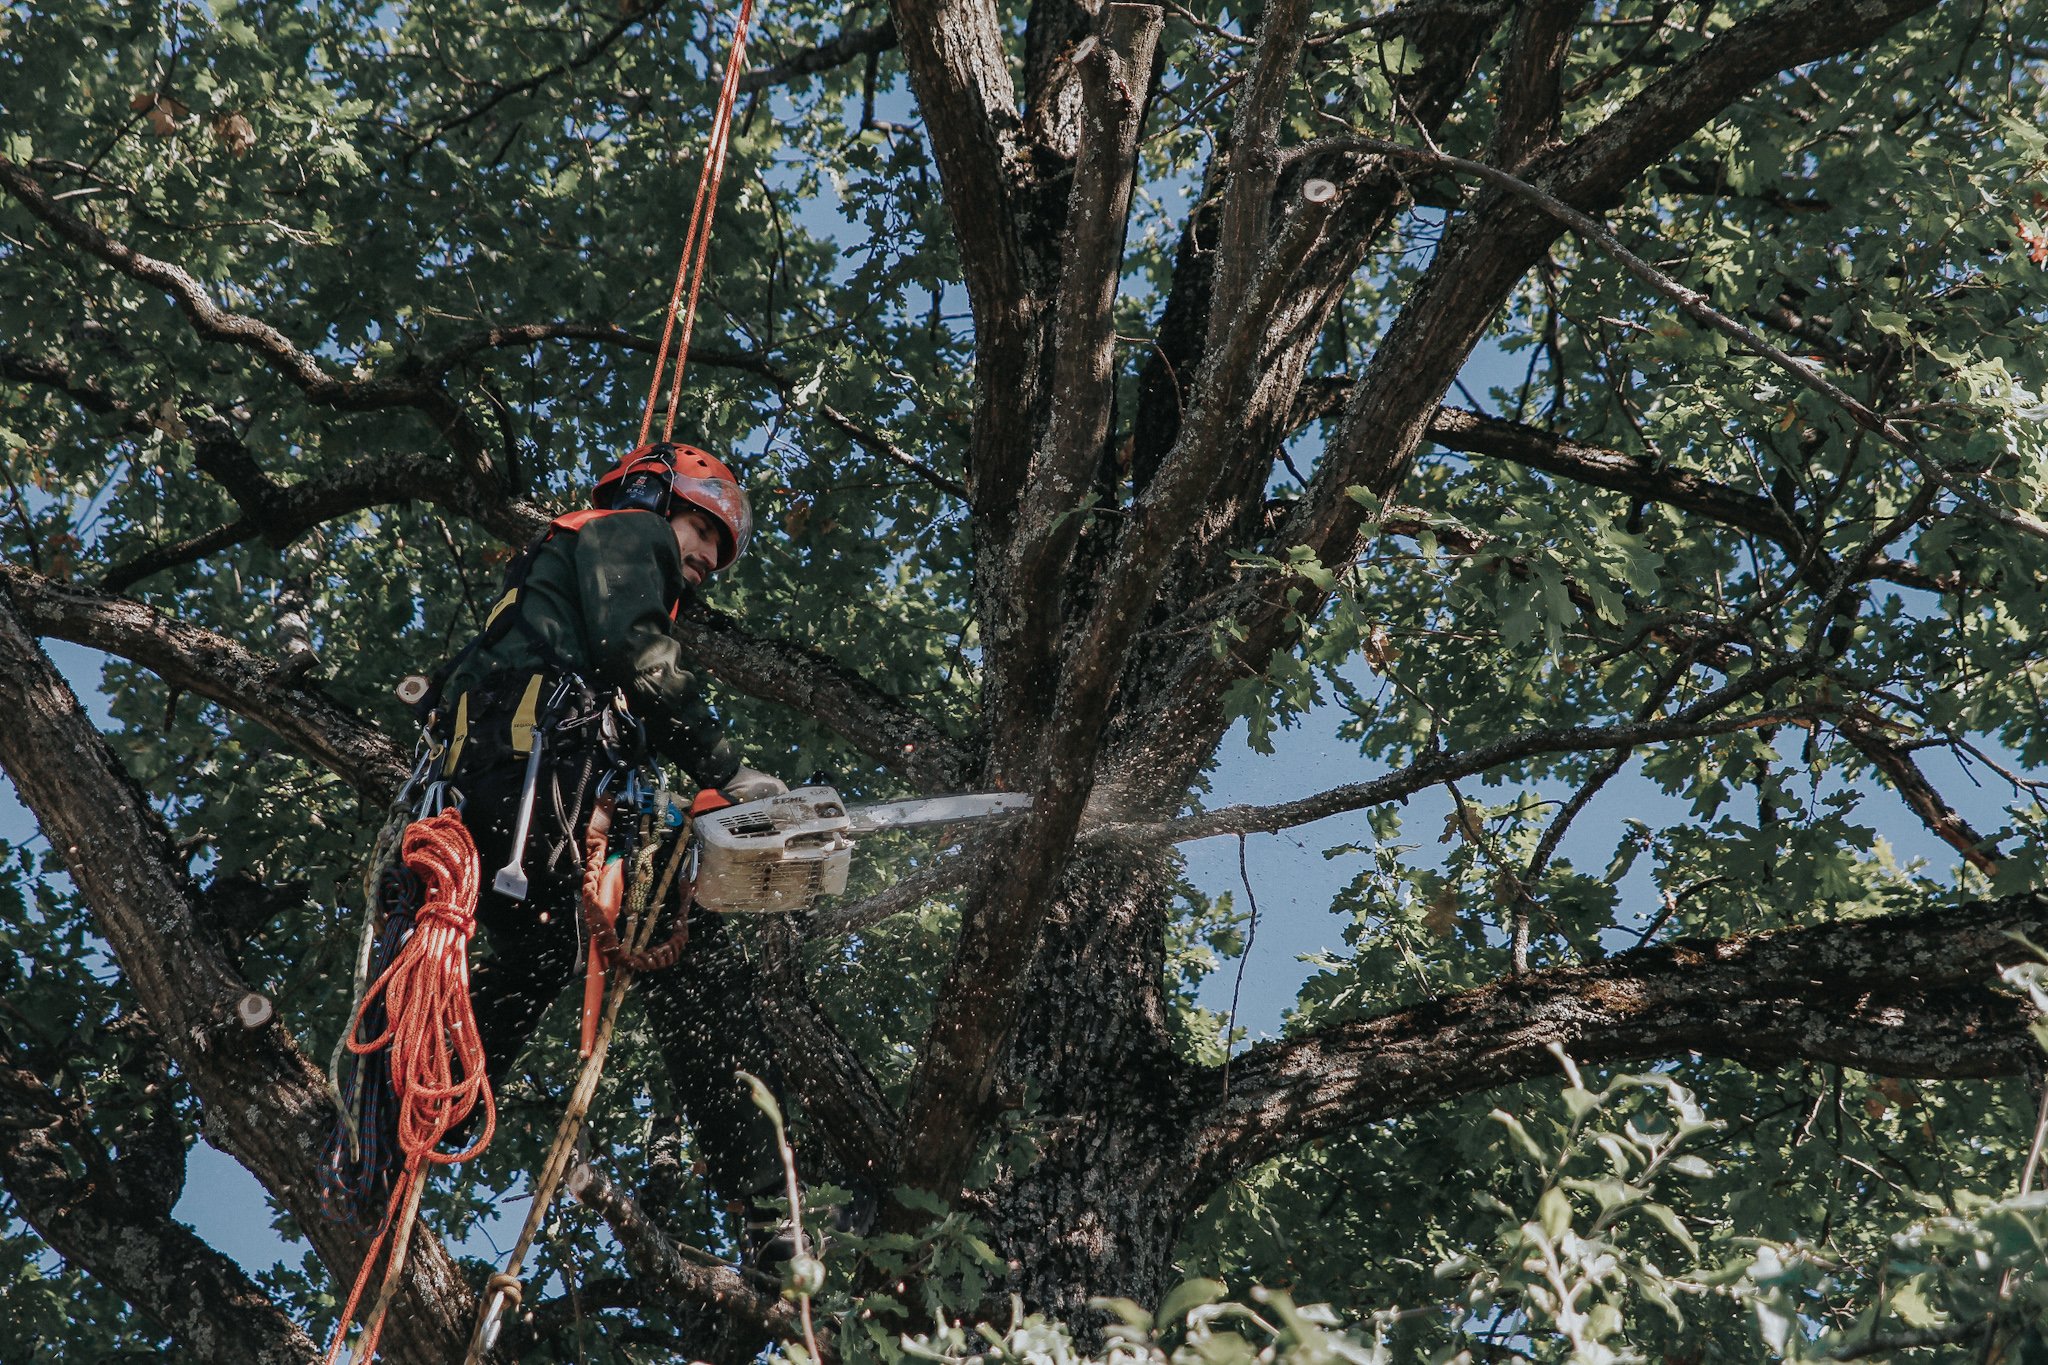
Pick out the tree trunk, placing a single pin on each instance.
(1099, 1209)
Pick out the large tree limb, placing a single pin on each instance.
(214, 667)
(961, 76)
(1905, 995)
(109, 1213)
(1115, 70)
(981, 1000)
(1254, 167)
(1448, 38)
(265, 1102)
(1532, 80)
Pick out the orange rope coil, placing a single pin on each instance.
(437, 1059)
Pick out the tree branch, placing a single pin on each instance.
(266, 1103)
(837, 50)
(1435, 769)
(111, 1215)
(1448, 37)
(1113, 69)
(1476, 433)
(883, 727)
(637, 12)
(881, 445)
(1906, 995)
(209, 319)
(1895, 761)
(214, 667)
(1532, 80)
(50, 373)
(1487, 250)
(279, 514)
(832, 1085)
(658, 1268)
(958, 70)
(267, 343)
(1695, 306)
(949, 873)
(604, 334)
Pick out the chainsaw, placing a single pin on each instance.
(783, 852)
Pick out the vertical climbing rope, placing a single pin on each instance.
(697, 240)
(436, 1059)
(640, 911)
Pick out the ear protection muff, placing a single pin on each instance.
(650, 489)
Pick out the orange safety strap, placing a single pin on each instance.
(697, 241)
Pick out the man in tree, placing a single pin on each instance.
(578, 659)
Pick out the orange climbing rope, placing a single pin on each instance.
(437, 1060)
(696, 242)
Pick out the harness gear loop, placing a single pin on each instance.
(698, 239)
(425, 994)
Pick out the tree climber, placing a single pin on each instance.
(578, 657)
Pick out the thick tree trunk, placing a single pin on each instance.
(1099, 1209)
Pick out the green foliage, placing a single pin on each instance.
(1596, 1237)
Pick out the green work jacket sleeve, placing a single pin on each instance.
(628, 570)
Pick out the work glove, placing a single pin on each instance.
(748, 784)
(751, 784)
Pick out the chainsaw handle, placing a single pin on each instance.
(708, 800)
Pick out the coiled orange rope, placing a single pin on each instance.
(437, 1060)
(697, 241)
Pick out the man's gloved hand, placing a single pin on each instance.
(751, 784)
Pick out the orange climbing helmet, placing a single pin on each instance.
(663, 476)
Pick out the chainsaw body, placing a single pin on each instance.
(774, 855)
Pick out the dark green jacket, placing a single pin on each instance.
(600, 597)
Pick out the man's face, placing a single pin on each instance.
(697, 537)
